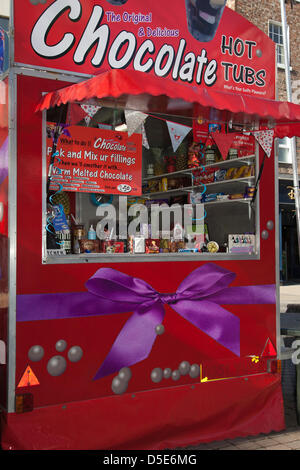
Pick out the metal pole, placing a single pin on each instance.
(293, 140)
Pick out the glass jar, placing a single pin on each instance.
(210, 156)
(233, 154)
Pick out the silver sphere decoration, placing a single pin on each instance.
(175, 375)
(61, 345)
(167, 373)
(184, 367)
(270, 225)
(194, 371)
(56, 366)
(159, 329)
(157, 375)
(119, 386)
(125, 374)
(265, 234)
(258, 52)
(75, 354)
(36, 353)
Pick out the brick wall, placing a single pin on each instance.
(259, 12)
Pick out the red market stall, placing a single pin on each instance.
(141, 310)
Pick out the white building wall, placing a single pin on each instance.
(4, 7)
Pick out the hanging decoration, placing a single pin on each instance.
(90, 111)
(223, 142)
(75, 114)
(265, 139)
(134, 119)
(177, 133)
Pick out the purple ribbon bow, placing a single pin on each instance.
(198, 299)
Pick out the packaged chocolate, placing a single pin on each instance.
(230, 173)
(220, 175)
(164, 244)
(139, 245)
(195, 198)
(188, 250)
(112, 246)
(249, 191)
(152, 245)
(173, 246)
(89, 246)
(236, 196)
(180, 245)
(239, 173)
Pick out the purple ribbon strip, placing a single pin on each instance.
(198, 299)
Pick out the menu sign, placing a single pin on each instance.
(97, 161)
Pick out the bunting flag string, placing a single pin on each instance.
(265, 139)
(135, 121)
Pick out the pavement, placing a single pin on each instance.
(289, 438)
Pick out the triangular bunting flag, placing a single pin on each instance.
(269, 350)
(177, 133)
(90, 111)
(75, 114)
(28, 379)
(223, 142)
(265, 139)
(134, 119)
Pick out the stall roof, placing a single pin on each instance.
(148, 93)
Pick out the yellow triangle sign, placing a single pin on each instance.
(28, 378)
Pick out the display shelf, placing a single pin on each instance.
(223, 164)
(216, 184)
(228, 201)
(136, 258)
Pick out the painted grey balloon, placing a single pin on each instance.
(184, 367)
(167, 373)
(75, 354)
(36, 353)
(156, 375)
(119, 386)
(258, 53)
(56, 365)
(125, 374)
(194, 371)
(265, 234)
(34, 2)
(176, 375)
(159, 329)
(61, 345)
(270, 225)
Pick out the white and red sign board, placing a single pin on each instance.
(97, 161)
(92, 36)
